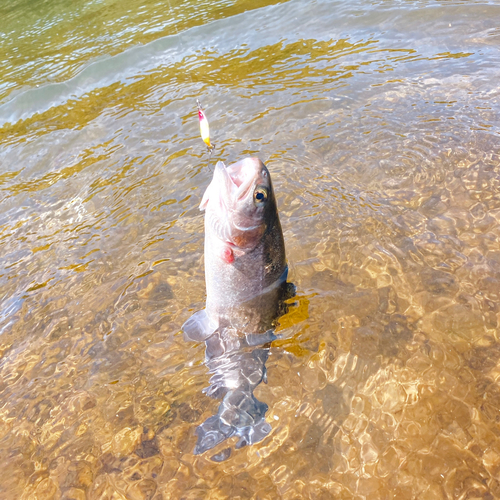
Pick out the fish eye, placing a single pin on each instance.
(260, 195)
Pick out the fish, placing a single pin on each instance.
(246, 283)
(245, 262)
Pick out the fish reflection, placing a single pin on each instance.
(238, 366)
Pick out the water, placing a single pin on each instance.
(379, 124)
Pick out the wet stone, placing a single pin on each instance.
(74, 494)
(332, 400)
(490, 286)
(147, 448)
(142, 490)
(433, 206)
(460, 320)
(439, 282)
(46, 490)
(365, 341)
(80, 474)
(154, 288)
(187, 413)
(125, 441)
(483, 358)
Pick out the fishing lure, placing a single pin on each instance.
(204, 128)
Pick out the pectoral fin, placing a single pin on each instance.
(198, 327)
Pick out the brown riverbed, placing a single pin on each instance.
(379, 123)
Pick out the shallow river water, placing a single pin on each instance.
(379, 123)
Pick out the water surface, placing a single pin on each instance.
(379, 124)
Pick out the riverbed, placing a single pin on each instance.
(379, 123)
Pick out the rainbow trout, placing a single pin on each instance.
(245, 265)
(245, 274)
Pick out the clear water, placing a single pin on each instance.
(379, 122)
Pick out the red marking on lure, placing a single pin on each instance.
(228, 255)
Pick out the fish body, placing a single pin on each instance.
(245, 264)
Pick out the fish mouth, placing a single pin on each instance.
(232, 216)
(243, 175)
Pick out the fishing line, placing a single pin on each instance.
(204, 128)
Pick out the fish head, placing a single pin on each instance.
(240, 202)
